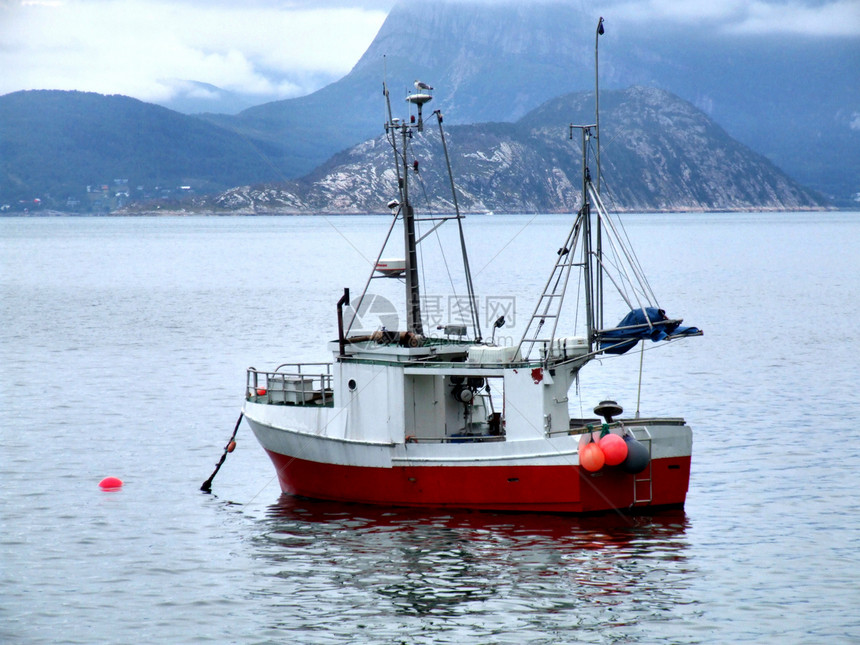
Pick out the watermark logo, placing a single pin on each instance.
(373, 312)
(443, 316)
(496, 307)
(438, 311)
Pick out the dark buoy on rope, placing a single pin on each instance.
(638, 456)
(206, 487)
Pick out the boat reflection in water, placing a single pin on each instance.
(418, 562)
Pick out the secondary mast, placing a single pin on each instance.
(413, 297)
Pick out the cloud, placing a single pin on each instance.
(125, 47)
(283, 48)
(793, 17)
(840, 18)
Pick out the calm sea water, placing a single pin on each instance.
(123, 347)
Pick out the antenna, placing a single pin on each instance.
(420, 97)
(598, 33)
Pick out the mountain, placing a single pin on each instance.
(59, 143)
(659, 153)
(794, 99)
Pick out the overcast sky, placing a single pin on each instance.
(283, 48)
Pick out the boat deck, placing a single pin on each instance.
(305, 384)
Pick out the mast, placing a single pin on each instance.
(599, 278)
(599, 32)
(419, 99)
(405, 129)
(413, 295)
(585, 214)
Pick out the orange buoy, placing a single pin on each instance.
(232, 446)
(591, 457)
(614, 449)
(110, 483)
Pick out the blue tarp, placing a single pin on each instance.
(634, 327)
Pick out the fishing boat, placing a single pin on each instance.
(406, 417)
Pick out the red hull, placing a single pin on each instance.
(564, 489)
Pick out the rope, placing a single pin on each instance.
(231, 445)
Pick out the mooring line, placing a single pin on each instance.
(231, 445)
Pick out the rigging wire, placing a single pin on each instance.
(617, 243)
(357, 308)
(427, 202)
(620, 254)
(606, 187)
(467, 270)
(472, 303)
(439, 241)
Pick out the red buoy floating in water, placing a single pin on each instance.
(591, 457)
(110, 483)
(614, 449)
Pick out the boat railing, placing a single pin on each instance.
(456, 438)
(583, 426)
(291, 384)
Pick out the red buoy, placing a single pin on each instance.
(110, 483)
(614, 449)
(591, 457)
(261, 391)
